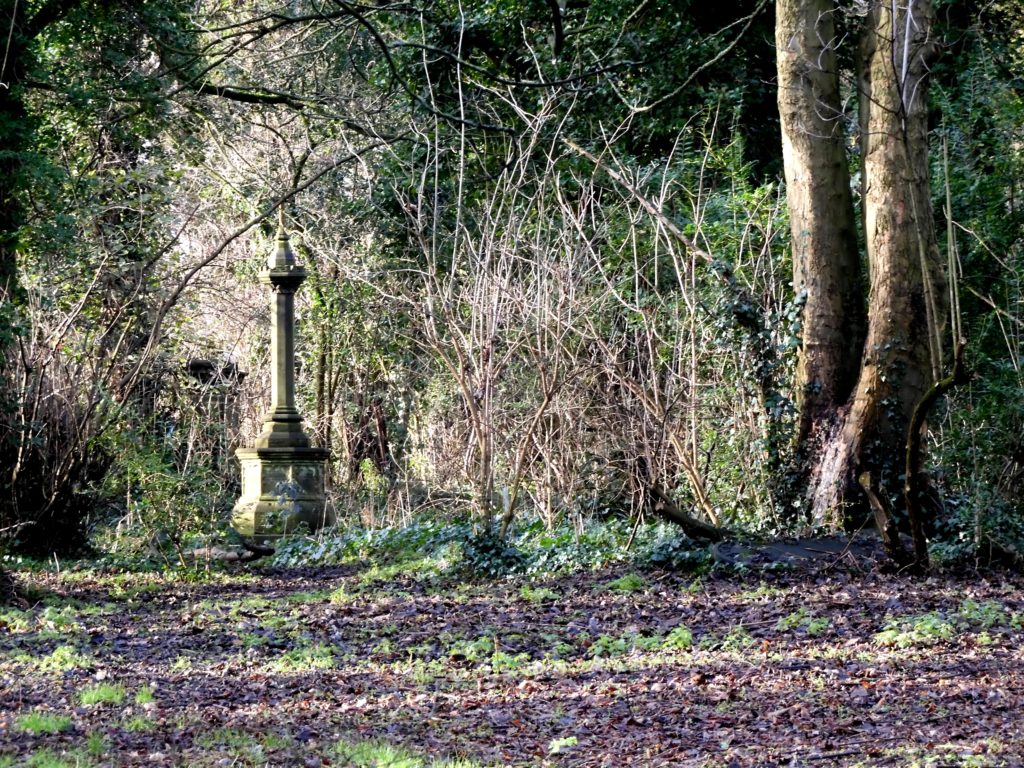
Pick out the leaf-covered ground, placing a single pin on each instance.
(361, 666)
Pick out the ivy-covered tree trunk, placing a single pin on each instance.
(859, 377)
(826, 263)
(907, 306)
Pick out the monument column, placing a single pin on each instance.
(282, 476)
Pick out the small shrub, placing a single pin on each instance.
(680, 639)
(489, 555)
(607, 646)
(924, 630)
(537, 595)
(472, 650)
(628, 584)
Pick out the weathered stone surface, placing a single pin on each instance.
(281, 489)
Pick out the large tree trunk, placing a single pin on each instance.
(826, 264)
(902, 352)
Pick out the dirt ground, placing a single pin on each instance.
(363, 666)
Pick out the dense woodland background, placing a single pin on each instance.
(555, 276)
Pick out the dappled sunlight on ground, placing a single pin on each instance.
(603, 668)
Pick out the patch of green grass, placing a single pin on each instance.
(304, 659)
(317, 596)
(253, 640)
(537, 595)
(562, 745)
(374, 754)
(13, 621)
(805, 620)
(764, 592)
(508, 662)
(932, 628)
(424, 650)
(561, 650)
(232, 740)
(276, 740)
(647, 642)
(145, 695)
(103, 693)
(139, 724)
(96, 744)
(609, 646)
(44, 758)
(948, 755)
(424, 672)
(6, 761)
(985, 615)
(340, 596)
(248, 606)
(418, 568)
(628, 584)
(737, 639)
(59, 619)
(38, 723)
(63, 659)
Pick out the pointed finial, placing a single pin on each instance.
(283, 255)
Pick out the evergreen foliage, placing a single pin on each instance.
(550, 273)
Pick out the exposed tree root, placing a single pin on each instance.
(915, 478)
(225, 555)
(885, 523)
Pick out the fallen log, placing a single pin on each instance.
(692, 527)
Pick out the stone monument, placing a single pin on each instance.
(282, 475)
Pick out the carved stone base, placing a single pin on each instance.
(282, 487)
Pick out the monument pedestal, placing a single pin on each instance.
(282, 488)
